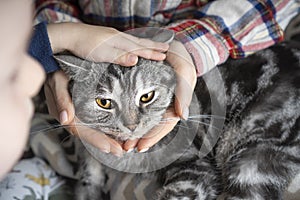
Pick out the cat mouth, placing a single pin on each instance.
(120, 135)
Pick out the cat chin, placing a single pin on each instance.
(124, 137)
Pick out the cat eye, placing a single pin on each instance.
(146, 98)
(104, 103)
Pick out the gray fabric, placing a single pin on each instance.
(46, 143)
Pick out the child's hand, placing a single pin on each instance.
(183, 65)
(61, 107)
(100, 44)
(103, 44)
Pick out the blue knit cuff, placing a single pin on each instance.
(40, 48)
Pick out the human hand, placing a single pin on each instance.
(103, 44)
(95, 138)
(61, 107)
(88, 42)
(181, 61)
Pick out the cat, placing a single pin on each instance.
(254, 155)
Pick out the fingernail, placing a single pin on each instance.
(143, 150)
(104, 150)
(185, 113)
(165, 47)
(130, 150)
(133, 59)
(63, 117)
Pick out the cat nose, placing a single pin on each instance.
(131, 127)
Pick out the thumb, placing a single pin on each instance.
(65, 107)
(58, 98)
(182, 62)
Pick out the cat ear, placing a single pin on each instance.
(75, 67)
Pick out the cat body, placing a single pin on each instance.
(254, 155)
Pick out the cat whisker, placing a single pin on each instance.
(206, 124)
(72, 65)
(162, 122)
(58, 126)
(206, 116)
(66, 138)
(178, 125)
(47, 129)
(52, 128)
(169, 119)
(183, 126)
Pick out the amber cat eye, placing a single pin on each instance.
(104, 103)
(146, 98)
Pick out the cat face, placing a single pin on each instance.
(122, 102)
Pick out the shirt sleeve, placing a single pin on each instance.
(40, 48)
(53, 11)
(226, 28)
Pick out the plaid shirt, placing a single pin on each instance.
(210, 30)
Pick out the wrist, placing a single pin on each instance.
(207, 48)
(62, 36)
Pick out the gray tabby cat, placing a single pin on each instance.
(258, 149)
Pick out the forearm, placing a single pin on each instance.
(63, 36)
(51, 39)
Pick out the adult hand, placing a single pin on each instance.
(183, 65)
(100, 44)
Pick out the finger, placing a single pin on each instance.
(149, 54)
(143, 47)
(186, 80)
(51, 105)
(129, 57)
(115, 147)
(169, 121)
(113, 55)
(97, 139)
(73, 127)
(141, 42)
(61, 97)
(183, 65)
(130, 145)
